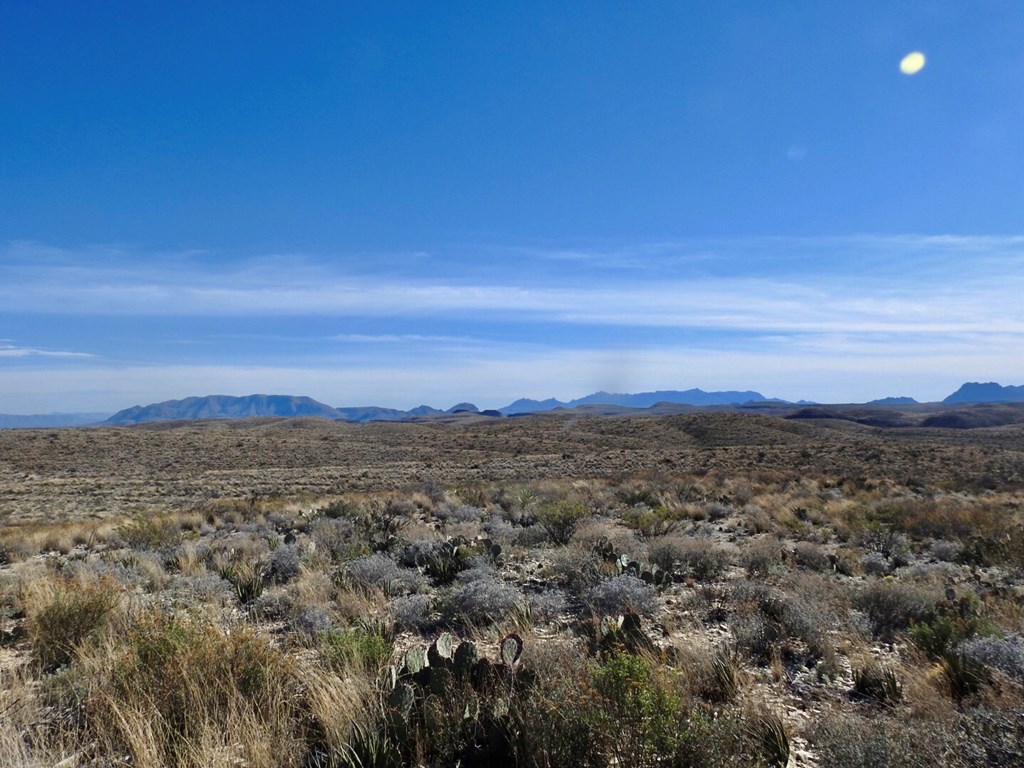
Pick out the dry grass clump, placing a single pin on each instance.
(63, 615)
(606, 528)
(810, 556)
(893, 606)
(761, 557)
(705, 561)
(174, 692)
(21, 542)
(859, 741)
(576, 569)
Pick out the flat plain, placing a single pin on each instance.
(65, 474)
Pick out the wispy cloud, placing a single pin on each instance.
(784, 315)
(981, 295)
(402, 338)
(9, 349)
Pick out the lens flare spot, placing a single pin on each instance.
(912, 63)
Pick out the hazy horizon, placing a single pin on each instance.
(404, 204)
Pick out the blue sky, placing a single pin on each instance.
(396, 203)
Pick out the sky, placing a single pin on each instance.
(405, 203)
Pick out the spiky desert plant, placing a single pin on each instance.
(964, 676)
(248, 577)
(877, 683)
(770, 734)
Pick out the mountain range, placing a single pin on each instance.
(227, 407)
(639, 400)
(231, 407)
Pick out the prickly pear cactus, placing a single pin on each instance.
(441, 680)
(466, 656)
(442, 651)
(511, 649)
(623, 632)
(605, 549)
(401, 699)
(631, 624)
(415, 661)
(484, 675)
(501, 707)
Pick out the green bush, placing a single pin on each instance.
(559, 520)
(952, 623)
(156, 534)
(892, 606)
(356, 649)
(644, 713)
(649, 522)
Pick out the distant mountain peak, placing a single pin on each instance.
(988, 392)
(526, 405)
(224, 407)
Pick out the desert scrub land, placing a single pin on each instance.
(696, 590)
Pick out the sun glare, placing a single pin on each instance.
(912, 63)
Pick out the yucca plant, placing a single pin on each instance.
(770, 734)
(248, 579)
(368, 747)
(726, 669)
(964, 676)
(880, 684)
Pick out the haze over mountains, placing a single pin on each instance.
(231, 407)
(47, 420)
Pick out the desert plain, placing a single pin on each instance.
(709, 588)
